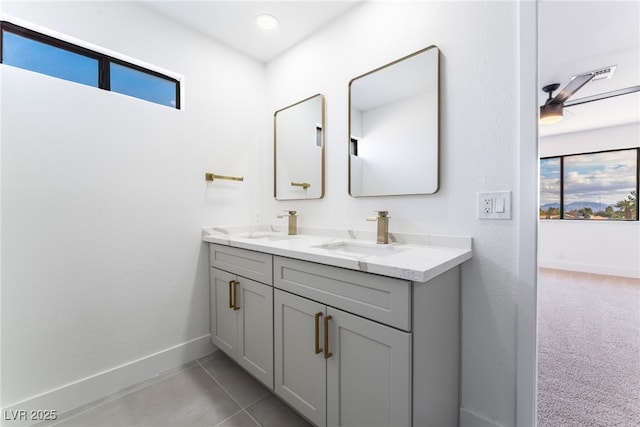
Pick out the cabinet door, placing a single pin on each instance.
(300, 372)
(368, 374)
(255, 329)
(222, 316)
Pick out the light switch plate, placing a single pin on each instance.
(494, 205)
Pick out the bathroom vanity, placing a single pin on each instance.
(345, 331)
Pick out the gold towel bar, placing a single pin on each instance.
(212, 176)
(304, 185)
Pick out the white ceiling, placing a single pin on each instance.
(234, 22)
(574, 37)
(580, 36)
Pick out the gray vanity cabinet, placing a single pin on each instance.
(359, 376)
(342, 347)
(369, 373)
(241, 313)
(338, 368)
(300, 372)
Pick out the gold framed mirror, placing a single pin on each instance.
(394, 127)
(298, 141)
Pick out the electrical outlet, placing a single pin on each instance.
(257, 216)
(494, 205)
(486, 204)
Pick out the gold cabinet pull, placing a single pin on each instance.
(235, 295)
(317, 328)
(327, 353)
(231, 293)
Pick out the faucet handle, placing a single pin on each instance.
(381, 214)
(289, 213)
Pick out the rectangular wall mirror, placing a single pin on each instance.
(393, 127)
(299, 150)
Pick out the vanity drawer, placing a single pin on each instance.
(383, 299)
(250, 264)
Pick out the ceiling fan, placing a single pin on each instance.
(552, 110)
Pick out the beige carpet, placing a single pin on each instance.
(588, 350)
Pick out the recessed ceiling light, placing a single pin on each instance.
(267, 22)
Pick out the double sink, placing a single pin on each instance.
(411, 256)
(357, 249)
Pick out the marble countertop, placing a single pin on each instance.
(416, 257)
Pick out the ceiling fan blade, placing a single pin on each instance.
(602, 96)
(573, 86)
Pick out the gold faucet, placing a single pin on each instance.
(293, 222)
(383, 226)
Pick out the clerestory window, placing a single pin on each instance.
(33, 51)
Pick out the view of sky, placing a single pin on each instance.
(603, 178)
(549, 181)
(40, 57)
(136, 83)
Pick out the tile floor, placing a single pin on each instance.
(212, 391)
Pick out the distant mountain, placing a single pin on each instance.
(550, 205)
(577, 205)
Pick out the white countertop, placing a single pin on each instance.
(416, 257)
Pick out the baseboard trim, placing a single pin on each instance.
(469, 419)
(588, 268)
(97, 386)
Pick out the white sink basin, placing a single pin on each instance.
(360, 249)
(265, 235)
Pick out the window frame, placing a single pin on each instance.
(104, 60)
(562, 186)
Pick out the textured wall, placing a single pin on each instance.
(103, 197)
(479, 152)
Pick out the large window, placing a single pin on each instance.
(591, 186)
(37, 52)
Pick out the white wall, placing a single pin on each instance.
(601, 247)
(104, 276)
(479, 152)
(83, 303)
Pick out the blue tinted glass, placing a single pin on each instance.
(142, 85)
(42, 58)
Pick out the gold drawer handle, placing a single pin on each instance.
(327, 353)
(233, 298)
(317, 328)
(235, 295)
